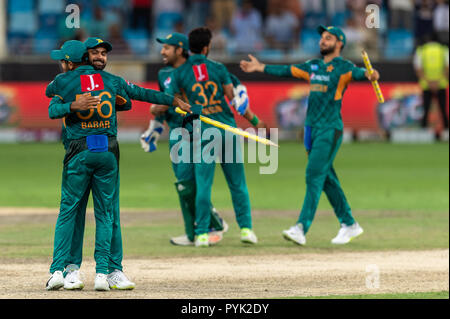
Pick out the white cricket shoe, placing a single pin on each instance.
(295, 234)
(181, 241)
(55, 281)
(248, 236)
(347, 233)
(72, 280)
(118, 280)
(101, 282)
(202, 240)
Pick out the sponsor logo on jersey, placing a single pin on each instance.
(318, 77)
(314, 67)
(201, 72)
(91, 82)
(167, 82)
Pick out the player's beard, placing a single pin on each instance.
(98, 66)
(328, 50)
(169, 60)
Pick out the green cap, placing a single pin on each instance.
(71, 50)
(176, 39)
(334, 31)
(94, 42)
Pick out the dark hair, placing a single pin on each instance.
(198, 39)
(185, 54)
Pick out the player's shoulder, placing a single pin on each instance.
(313, 61)
(112, 78)
(62, 76)
(166, 69)
(216, 64)
(344, 62)
(106, 74)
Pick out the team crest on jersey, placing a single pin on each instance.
(314, 67)
(167, 82)
(201, 72)
(91, 82)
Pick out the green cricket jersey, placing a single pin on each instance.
(125, 105)
(172, 118)
(200, 80)
(328, 82)
(102, 120)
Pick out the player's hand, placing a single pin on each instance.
(149, 139)
(375, 76)
(240, 101)
(158, 110)
(252, 66)
(265, 131)
(85, 102)
(182, 105)
(189, 119)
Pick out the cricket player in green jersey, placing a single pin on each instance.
(328, 79)
(205, 83)
(92, 153)
(175, 53)
(97, 56)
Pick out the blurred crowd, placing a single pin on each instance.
(273, 29)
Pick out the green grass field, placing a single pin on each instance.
(375, 177)
(398, 193)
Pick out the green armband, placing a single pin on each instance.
(255, 120)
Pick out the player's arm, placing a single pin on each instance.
(300, 71)
(361, 74)
(58, 108)
(152, 96)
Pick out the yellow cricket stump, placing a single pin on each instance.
(375, 84)
(231, 129)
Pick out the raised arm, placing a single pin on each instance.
(152, 96)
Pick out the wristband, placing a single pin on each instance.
(254, 121)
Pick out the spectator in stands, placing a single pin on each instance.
(246, 26)
(295, 6)
(431, 65)
(222, 12)
(141, 14)
(196, 13)
(98, 26)
(167, 13)
(440, 21)
(314, 13)
(355, 38)
(401, 14)
(281, 27)
(424, 19)
(262, 7)
(116, 38)
(358, 11)
(219, 39)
